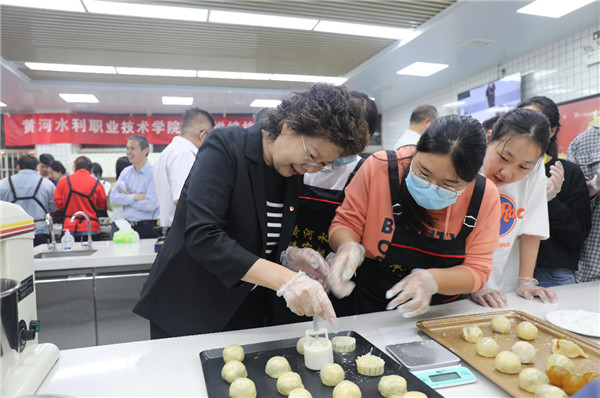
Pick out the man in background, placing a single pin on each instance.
(45, 162)
(420, 119)
(135, 189)
(176, 160)
(32, 192)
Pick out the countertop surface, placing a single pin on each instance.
(108, 254)
(171, 367)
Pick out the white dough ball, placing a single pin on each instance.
(500, 324)
(300, 393)
(233, 370)
(346, 389)
(276, 366)
(526, 330)
(413, 394)
(531, 378)
(508, 362)
(549, 391)
(392, 386)
(332, 374)
(287, 382)
(233, 352)
(560, 360)
(525, 351)
(487, 347)
(242, 388)
(471, 333)
(300, 345)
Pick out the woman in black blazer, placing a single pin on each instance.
(217, 269)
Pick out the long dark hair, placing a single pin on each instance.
(460, 137)
(550, 110)
(523, 123)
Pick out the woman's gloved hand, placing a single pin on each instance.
(555, 181)
(528, 288)
(488, 297)
(307, 260)
(348, 258)
(418, 287)
(305, 296)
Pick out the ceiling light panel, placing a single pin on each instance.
(146, 10)
(553, 8)
(156, 72)
(422, 69)
(211, 74)
(2, 104)
(265, 103)
(80, 98)
(308, 79)
(71, 68)
(346, 28)
(60, 5)
(268, 21)
(177, 100)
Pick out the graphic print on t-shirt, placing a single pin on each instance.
(508, 215)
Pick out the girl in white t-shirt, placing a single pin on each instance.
(513, 162)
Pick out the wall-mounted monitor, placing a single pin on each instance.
(491, 99)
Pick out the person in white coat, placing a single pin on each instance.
(420, 119)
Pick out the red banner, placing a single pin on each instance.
(575, 118)
(54, 128)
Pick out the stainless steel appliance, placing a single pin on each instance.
(25, 363)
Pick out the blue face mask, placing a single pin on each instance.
(342, 161)
(427, 197)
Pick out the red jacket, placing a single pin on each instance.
(83, 182)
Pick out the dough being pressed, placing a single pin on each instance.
(343, 344)
(300, 393)
(370, 365)
(525, 351)
(233, 352)
(233, 370)
(287, 382)
(471, 333)
(332, 374)
(531, 378)
(508, 362)
(526, 330)
(346, 389)
(567, 348)
(392, 386)
(500, 324)
(242, 388)
(487, 347)
(276, 366)
(560, 360)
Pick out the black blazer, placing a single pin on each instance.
(219, 231)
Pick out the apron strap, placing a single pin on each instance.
(351, 176)
(394, 180)
(470, 220)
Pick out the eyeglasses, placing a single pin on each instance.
(423, 182)
(327, 168)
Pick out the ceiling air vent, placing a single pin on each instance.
(475, 44)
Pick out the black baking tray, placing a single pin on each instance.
(257, 355)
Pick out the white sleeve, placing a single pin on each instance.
(177, 172)
(535, 220)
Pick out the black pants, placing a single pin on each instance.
(147, 230)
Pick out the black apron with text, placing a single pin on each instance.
(409, 250)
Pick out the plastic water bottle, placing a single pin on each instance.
(67, 240)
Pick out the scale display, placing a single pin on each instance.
(446, 377)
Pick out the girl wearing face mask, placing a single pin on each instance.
(422, 219)
(513, 161)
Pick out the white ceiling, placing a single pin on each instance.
(369, 64)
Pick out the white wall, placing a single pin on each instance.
(557, 71)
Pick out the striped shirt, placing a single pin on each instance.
(274, 192)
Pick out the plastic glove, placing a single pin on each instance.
(307, 260)
(348, 258)
(419, 286)
(489, 298)
(305, 296)
(528, 288)
(555, 181)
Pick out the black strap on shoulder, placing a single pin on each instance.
(394, 182)
(88, 197)
(12, 189)
(470, 220)
(351, 176)
(32, 197)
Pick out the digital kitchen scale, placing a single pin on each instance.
(431, 363)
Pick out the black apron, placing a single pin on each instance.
(32, 197)
(93, 217)
(409, 250)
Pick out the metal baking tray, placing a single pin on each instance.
(258, 354)
(448, 332)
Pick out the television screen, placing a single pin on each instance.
(492, 99)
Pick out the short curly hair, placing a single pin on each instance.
(323, 111)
